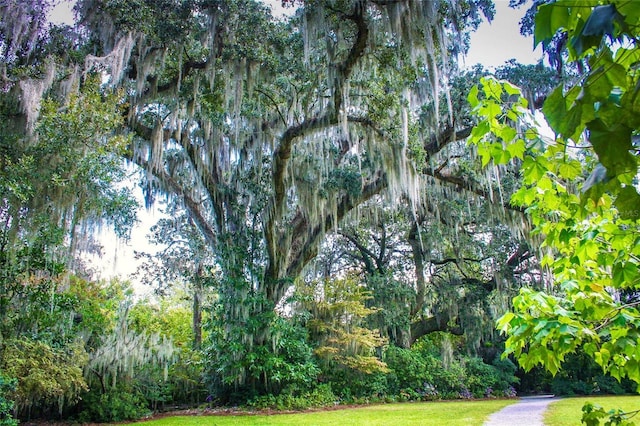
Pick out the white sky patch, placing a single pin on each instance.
(118, 258)
(496, 42)
(62, 13)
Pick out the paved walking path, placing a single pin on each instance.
(526, 412)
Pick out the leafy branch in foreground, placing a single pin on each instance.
(590, 250)
(579, 192)
(592, 413)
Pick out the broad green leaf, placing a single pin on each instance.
(508, 133)
(534, 169)
(555, 109)
(632, 369)
(472, 97)
(627, 57)
(628, 203)
(517, 149)
(511, 89)
(479, 131)
(617, 75)
(570, 169)
(630, 13)
(504, 322)
(531, 134)
(549, 19)
(612, 146)
(485, 155)
(587, 250)
(492, 88)
(490, 109)
(499, 154)
(625, 274)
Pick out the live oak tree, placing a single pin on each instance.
(269, 132)
(279, 140)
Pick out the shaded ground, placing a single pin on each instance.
(528, 411)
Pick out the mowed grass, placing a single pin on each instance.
(568, 411)
(451, 413)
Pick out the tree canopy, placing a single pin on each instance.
(321, 190)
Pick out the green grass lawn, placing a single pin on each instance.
(568, 411)
(451, 413)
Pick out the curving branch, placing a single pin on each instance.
(469, 186)
(366, 255)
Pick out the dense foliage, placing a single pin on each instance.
(329, 235)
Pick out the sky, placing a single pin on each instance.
(492, 45)
(496, 42)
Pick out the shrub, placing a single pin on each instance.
(481, 377)
(48, 377)
(420, 373)
(408, 370)
(292, 399)
(357, 387)
(115, 405)
(6, 404)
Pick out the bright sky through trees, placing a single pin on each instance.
(498, 41)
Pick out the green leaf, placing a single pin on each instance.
(531, 134)
(479, 130)
(570, 169)
(492, 88)
(534, 169)
(612, 146)
(627, 57)
(517, 149)
(490, 109)
(485, 155)
(628, 203)
(499, 154)
(625, 274)
(508, 133)
(511, 89)
(549, 19)
(630, 13)
(472, 97)
(555, 109)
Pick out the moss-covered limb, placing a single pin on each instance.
(440, 140)
(424, 326)
(330, 118)
(357, 51)
(419, 265)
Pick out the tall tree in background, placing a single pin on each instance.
(279, 140)
(268, 132)
(183, 258)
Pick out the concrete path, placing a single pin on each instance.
(526, 412)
